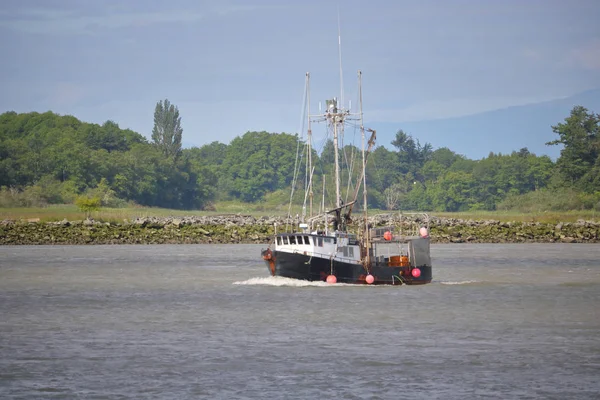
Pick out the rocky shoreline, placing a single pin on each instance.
(248, 229)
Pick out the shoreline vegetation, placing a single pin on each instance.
(239, 228)
(49, 159)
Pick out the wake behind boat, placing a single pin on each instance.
(330, 246)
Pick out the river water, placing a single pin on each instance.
(206, 321)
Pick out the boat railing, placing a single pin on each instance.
(400, 227)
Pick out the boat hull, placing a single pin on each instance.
(304, 267)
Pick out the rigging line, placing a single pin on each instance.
(306, 176)
(378, 169)
(351, 167)
(322, 146)
(320, 159)
(318, 147)
(306, 194)
(342, 150)
(296, 162)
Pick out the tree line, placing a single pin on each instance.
(46, 158)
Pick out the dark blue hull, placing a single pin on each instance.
(300, 266)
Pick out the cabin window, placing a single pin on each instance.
(292, 239)
(299, 238)
(347, 251)
(320, 241)
(286, 240)
(330, 240)
(279, 241)
(306, 240)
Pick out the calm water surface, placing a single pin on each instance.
(206, 321)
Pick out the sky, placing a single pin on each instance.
(233, 66)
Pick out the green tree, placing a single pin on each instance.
(539, 171)
(107, 136)
(454, 192)
(393, 194)
(383, 170)
(210, 155)
(207, 161)
(198, 183)
(259, 162)
(88, 204)
(444, 156)
(167, 130)
(411, 154)
(578, 162)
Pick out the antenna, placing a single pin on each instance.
(340, 57)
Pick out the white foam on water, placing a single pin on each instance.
(281, 281)
(458, 282)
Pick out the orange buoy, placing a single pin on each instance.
(416, 273)
(370, 279)
(331, 279)
(387, 235)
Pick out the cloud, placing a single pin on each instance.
(588, 56)
(39, 20)
(451, 108)
(66, 93)
(531, 54)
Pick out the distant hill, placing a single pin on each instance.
(501, 131)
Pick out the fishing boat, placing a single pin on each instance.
(333, 248)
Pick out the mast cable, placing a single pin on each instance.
(298, 157)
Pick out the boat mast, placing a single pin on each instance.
(338, 118)
(362, 133)
(340, 59)
(309, 148)
(324, 213)
(364, 166)
(336, 160)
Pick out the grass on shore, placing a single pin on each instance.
(507, 216)
(71, 213)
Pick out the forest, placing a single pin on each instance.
(47, 158)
